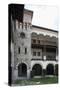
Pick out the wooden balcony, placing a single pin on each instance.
(37, 59)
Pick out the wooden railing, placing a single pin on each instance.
(43, 59)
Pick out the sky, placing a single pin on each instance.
(44, 16)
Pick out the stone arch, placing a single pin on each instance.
(20, 63)
(22, 35)
(50, 69)
(22, 70)
(37, 70)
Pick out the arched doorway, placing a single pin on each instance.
(56, 69)
(22, 70)
(37, 70)
(50, 69)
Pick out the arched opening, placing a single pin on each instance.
(56, 69)
(37, 70)
(50, 69)
(22, 35)
(22, 70)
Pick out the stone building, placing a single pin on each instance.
(35, 49)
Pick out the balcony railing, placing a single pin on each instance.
(36, 59)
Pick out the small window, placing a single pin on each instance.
(34, 53)
(22, 26)
(38, 41)
(26, 26)
(19, 50)
(22, 35)
(29, 25)
(18, 24)
(25, 50)
(34, 41)
(38, 53)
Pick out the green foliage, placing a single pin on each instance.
(38, 81)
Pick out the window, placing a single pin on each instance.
(22, 35)
(34, 53)
(29, 25)
(18, 24)
(19, 50)
(22, 25)
(26, 26)
(25, 50)
(34, 41)
(38, 41)
(38, 53)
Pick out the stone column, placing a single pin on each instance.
(28, 74)
(16, 24)
(44, 52)
(43, 72)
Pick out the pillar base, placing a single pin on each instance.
(28, 74)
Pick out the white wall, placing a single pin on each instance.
(42, 63)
